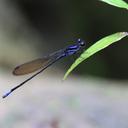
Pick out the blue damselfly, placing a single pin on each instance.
(45, 62)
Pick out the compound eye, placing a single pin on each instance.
(82, 43)
(79, 40)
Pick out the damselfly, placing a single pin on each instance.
(45, 62)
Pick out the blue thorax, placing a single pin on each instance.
(72, 49)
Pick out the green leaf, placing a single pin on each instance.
(99, 45)
(117, 3)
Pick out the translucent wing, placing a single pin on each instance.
(31, 66)
(37, 64)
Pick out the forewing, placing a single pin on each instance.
(34, 65)
(31, 66)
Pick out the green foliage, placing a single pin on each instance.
(99, 45)
(103, 43)
(117, 3)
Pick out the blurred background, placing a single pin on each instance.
(94, 95)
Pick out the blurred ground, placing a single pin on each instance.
(48, 102)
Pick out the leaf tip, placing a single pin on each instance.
(124, 33)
